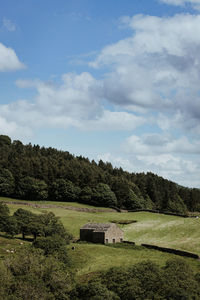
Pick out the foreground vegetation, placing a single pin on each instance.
(34, 173)
(32, 274)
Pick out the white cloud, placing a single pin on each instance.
(157, 68)
(9, 60)
(114, 120)
(195, 3)
(8, 25)
(155, 144)
(13, 129)
(173, 158)
(75, 102)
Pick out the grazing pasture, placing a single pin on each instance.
(150, 228)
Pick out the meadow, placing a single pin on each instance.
(158, 229)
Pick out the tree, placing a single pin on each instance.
(4, 216)
(11, 227)
(49, 244)
(35, 227)
(53, 226)
(53, 245)
(4, 140)
(34, 276)
(23, 218)
(92, 291)
(103, 196)
(32, 189)
(179, 281)
(176, 205)
(7, 183)
(63, 190)
(86, 195)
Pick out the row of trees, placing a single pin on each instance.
(26, 223)
(38, 173)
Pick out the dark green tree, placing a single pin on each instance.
(54, 245)
(86, 195)
(92, 291)
(63, 190)
(11, 227)
(24, 218)
(7, 182)
(179, 281)
(33, 276)
(53, 226)
(4, 216)
(50, 244)
(103, 196)
(32, 189)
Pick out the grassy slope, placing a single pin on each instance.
(89, 258)
(169, 231)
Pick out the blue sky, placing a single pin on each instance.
(116, 80)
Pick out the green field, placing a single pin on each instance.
(157, 229)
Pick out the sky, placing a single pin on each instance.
(115, 80)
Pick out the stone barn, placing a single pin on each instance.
(101, 233)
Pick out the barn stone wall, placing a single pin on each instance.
(114, 235)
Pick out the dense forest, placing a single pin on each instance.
(32, 172)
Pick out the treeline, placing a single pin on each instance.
(32, 172)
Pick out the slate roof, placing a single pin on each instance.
(97, 227)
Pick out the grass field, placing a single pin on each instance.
(89, 258)
(157, 229)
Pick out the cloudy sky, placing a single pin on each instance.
(116, 80)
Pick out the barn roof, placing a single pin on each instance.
(97, 226)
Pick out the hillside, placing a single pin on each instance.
(157, 229)
(32, 172)
(89, 264)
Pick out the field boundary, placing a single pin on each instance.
(81, 209)
(171, 250)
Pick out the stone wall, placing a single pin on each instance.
(114, 235)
